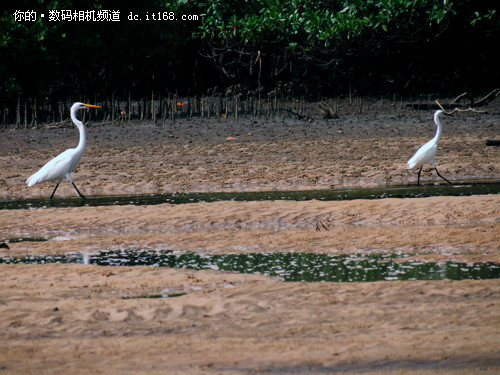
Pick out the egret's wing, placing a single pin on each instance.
(55, 168)
(424, 155)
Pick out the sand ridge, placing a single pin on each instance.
(465, 226)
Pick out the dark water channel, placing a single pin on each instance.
(287, 266)
(304, 195)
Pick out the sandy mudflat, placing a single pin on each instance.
(75, 321)
(87, 319)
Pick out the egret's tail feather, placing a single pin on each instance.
(412, 163)
(32, 180)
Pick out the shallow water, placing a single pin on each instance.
(287, 266)
(325, 195)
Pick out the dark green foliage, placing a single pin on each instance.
(84, 58)
(379, 45)
(307, 47)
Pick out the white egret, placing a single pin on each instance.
(62, 165)
(427, 152)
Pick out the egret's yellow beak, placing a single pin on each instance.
(92, 106)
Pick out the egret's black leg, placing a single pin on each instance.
(418, 180)
(78, 191)
(442, 176)
(52, 196)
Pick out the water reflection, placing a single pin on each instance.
(288, 266)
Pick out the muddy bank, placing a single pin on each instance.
(367, 149)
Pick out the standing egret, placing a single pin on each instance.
(427, 152)
(62, 165)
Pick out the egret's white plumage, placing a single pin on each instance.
(62, 165)
(427, 152)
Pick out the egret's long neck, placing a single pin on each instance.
(83, 134)
(438, 130)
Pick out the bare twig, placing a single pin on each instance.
(61, 124)
(68, 124)
(459, 109)
(298, 115)
(488, 98)
(454, 103)
(458, 98)
(318, 228)
(112, 121)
